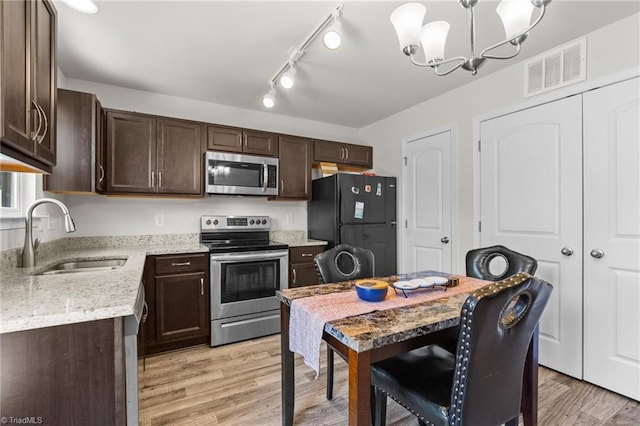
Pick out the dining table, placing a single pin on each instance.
(381, 333)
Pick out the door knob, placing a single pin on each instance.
(597, 253)
(444, 240)
(567, 251)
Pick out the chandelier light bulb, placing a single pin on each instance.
(433, 38)
(407, 21)
(515, 16)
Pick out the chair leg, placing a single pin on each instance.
(329, 373)
(379, 407)
(512, 422)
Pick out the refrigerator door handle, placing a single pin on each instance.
(393, 222)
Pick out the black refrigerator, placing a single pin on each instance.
(356, 210)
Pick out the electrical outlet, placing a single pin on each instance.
(289, 219)
(160, 219)
(53, 223)
(43, 224)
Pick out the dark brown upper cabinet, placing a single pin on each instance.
(28, 75)
(246, 141)
(296, 158)
(343, 153)
(153, 155)
(79, 167)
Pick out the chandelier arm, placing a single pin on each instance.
(483, 54)
(437, 64)
(449, 71)
(518, 46)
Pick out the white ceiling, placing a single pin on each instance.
(226, 52)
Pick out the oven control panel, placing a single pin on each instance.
(235, 223)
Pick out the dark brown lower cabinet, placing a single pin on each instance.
(66, 375)
(302, 270)
(177, 293)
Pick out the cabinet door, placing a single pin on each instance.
(181, 307)
(261, 143)
(328, 151)
(74, 170)
(295, 167)
(224, 139)
(44, 77)
(100, 167)
(131, 153)
(303, 274)
(358, 155)
(179, 157)
(18, 113)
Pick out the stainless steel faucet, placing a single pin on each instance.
(29, 252)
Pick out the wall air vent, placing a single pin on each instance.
(556, 68)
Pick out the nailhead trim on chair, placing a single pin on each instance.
(459, 383)
(409, 409)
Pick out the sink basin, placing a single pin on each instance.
(90, 265)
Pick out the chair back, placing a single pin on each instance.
(479, 263)
(344, 263)
(496, 326)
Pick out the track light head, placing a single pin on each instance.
(269, 100)
(332, 37)
(287, 80)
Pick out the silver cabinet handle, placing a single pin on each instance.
(245, 140)
(181, 264)
(34, 135)
(444, 240)
(153, 179)
(597, 253)
(145, 312)
(346, 153)
(567, 251)
(46, 124)
(306, 254)
(294, 276)
(201, 286)
(159, 179)
(281, 186)
(341, 153)
(101, 178)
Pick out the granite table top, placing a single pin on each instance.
(30, 301)
(380, 328)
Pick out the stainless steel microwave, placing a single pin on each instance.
(239, 174)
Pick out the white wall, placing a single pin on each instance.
(611, 49)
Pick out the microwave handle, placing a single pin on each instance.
(265, 177)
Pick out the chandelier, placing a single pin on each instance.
(407, 21)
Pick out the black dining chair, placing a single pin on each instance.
(342, 263)
(479, 384)
(479, 261)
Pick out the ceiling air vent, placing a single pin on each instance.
(556, 68)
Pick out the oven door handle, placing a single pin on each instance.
(244, 256)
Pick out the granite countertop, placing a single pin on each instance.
(295, 239)
(383, 327)
(29, 301)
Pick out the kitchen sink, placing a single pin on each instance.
(89, 265)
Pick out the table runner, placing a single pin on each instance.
(309, 314)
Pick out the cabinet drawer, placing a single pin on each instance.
(167, 265)
(304, 253)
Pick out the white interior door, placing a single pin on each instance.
(531, 202)
(612, 228)
(427, 203)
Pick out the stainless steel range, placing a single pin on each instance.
(246, 271)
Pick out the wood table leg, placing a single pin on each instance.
(359, 388)
(529, 403)
(286, 356)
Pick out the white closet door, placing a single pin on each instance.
(427, 204)
(531, 202)
(612, 228)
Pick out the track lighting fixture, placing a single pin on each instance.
(269, 99)
(285, 77)
(332, 37)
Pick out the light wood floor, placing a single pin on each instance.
(239, 384)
